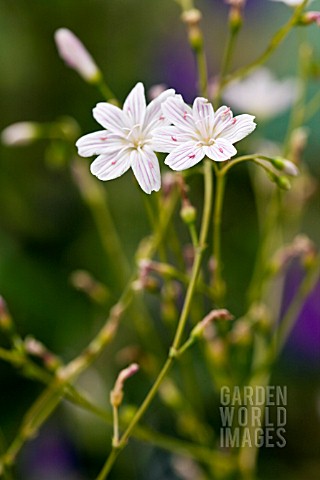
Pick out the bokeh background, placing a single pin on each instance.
(46, 232)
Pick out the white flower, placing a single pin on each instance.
(74, 53)
(261, 94)
(127, 140)
(199, 132)
(21, 133)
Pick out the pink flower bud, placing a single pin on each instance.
(116, 395)
(311, 17)
(75, 55)
(21, 133)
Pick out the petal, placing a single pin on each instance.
(222, 118)
(135, 104)
(99, 142)
(185, 156)
(203, 115)
(112, 165)
(178, 113)
(154, 117)
(110, 117)
(239, 128)
(220, 151)
(145, 166)
(167, 139)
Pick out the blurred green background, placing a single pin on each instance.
(46, 232)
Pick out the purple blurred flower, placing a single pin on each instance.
(304, 339)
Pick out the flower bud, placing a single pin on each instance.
(37, 349)
(85, 282)
(5, 317)
(188, 213)
(21, 133)
(286, 166)
(116, 395)
(282, 182)
(241, 334)
(221, 314)
(76, 56)
(298, 142)
(301, 247)
(192, 19)
(310, 17)
(156, 90)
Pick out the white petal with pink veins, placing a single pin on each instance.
(154, 117)
(240, 127)
(145, 166)
(220, 151)
(135, 104)
(110, 117)
(178, 113)
(203, 116)
(110, 166)
(185, 156)
(168, 138)
(99, 142)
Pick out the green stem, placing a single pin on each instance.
(180, 329)
(226, 61)
(218, 282)
(105, 90)
(298, 110)
(276, 40)
(288, 321)
(312, 107)
(76, 397)
(202, 70)
(95, 197)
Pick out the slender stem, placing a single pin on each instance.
(199, 253)
(197, 46)
(226, 60)
(106, 91)
(73, 395)
(312, 106)
(95, 197)
(218, 282)
(276, 40)
(115, 439)
(193, 235)
(288, 321)
(202, 70)
(180, 329)
(298, 110)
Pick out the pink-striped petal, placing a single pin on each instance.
(99, 142)
(110, 117)
(241, 126)
(135, 105)
(185, 156)
(203, 116)
(178, 113)
(220, 151)
(112, 165)
(145, 166)
(167, 139)
(222, 118)
(154, 117)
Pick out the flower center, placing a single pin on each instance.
(136, 137)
